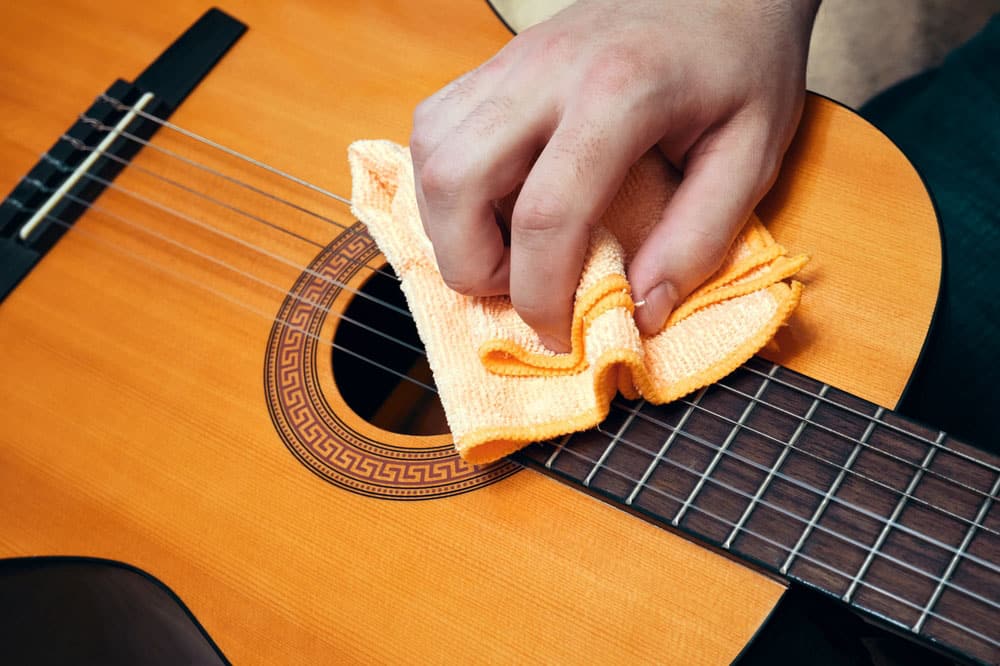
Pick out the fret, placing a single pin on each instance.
(777, 465)
(559, 449)
(891, 522)
(788, 514)
(980, 516)
(666, 446)
(722, 449)
(968, 472)
(869, 428)
(871, 513)
(614, 442)
(891, 426)
(831, 491)
(815, 484)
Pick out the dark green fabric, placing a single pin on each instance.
(947, 121)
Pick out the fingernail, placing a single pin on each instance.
(555, 344)
(658, 304)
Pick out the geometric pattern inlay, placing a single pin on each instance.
(312, 430)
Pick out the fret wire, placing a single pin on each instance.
(809, 558)
(863, 569)
(850, 439)
(722, 450)
(827, 461)
(666, 446)
(207, 257)
(211, 229)
(980, 516)
(829, 493)
(131, 255)
(763, 502)
(611, 444)
(552, 458)
(890, 426)
(770, 475)
(806, 486)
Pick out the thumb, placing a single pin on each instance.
(726, 175)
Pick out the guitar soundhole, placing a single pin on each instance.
(381, 375)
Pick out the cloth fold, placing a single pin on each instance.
(500, 387)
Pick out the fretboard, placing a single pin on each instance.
(896, 519)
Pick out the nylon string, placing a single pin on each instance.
(120, 106)
(694, 507)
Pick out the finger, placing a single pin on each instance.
(726, 175)
(438, 117)
(566, 192)
(485, 158)
(433, 119)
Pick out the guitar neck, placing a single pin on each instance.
(816, 485)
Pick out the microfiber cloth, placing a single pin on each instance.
(500, 387)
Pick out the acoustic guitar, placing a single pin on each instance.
(208, 374)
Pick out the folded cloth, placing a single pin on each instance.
(500, 387)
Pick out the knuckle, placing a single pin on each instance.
(615, 72)
(421, 138)
(541, 214)
(556, 45)
(439, 177)
(487, 117)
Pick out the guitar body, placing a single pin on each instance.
(149, 421)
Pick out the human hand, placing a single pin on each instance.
(560, 114)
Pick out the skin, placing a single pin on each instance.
(544, 133)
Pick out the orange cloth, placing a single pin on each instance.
(500, 387)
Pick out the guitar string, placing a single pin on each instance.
(122, 106)
(391, 338)
(762, 502)
(229, 299)
(80, 145)
(805, 485)
(800, 554)
(848, 438)
(891, 426)
(426, 387)
(77, 144)
(215, 230)
(300, 182)
(228, 206)
(219, 262)
(896, 493)
(819, 458)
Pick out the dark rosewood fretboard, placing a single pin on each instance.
(896, 519)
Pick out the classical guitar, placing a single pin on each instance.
(208, 374)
